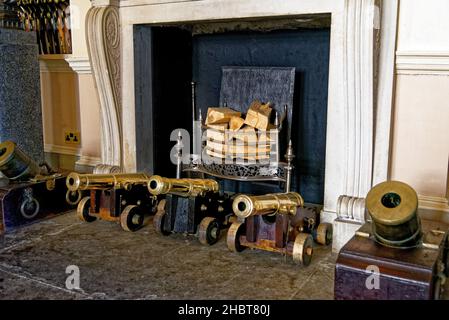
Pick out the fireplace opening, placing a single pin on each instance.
(168, 57)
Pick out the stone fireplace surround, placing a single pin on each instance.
(361, 67)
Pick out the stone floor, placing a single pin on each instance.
(115, 264)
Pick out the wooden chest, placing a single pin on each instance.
(415, 273)
(22, 203)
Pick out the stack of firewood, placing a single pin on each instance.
(232, 135)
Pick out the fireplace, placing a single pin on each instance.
(168, 58)
(355, 116)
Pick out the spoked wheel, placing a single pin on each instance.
(324, 234)
(233, 238)
(209, 231)
(303, 249)
(131, 218)
(159, 219)
(83, 210)
(73, 197)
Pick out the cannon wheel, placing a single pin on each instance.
(303, 249)
(159, 219)
(324, 234)
(83, 210)
(131, 218)
(233, 238)
(73, 197)
(209, 231)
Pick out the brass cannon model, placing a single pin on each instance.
(29, 191)
(182, 187)
(411, 253)
(120, 197)
(192, 206)
(277, 222)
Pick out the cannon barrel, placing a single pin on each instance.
(393, 207)
(15, 164)
(76, 181)
(181, 187)
(245, 206)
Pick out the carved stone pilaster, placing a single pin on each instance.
(362, 26)
(103, 42)
(360, 70)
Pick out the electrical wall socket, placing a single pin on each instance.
(72, 137)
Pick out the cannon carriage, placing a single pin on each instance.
(30, 191)
(117, 197)
(192, 206)
(279, 223)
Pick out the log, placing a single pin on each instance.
(236, 123)
(220, 115)
(216, 135)
(218, 126)
(236, 147)
(247, 134)
(258, 115)
(254, 157)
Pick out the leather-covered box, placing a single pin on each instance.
(413, 273)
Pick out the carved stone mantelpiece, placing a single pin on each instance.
(359, 106)
(103, 40)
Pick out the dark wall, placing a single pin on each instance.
(308, 51)
(143, 81)
(163, 73)
(172, 58)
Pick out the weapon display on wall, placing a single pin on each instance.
(8, 15)
(119, 197)
(193, 206)
(30, 191)
(50, 19)
(410, 255)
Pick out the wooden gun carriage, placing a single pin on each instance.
(118, 197)
(279, 223)
(191, 206)
(396, 255)
(30, 192)
(417, 273)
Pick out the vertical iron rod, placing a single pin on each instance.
(179, 155)
(194, 130)
(193, 83)
(289, 156)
